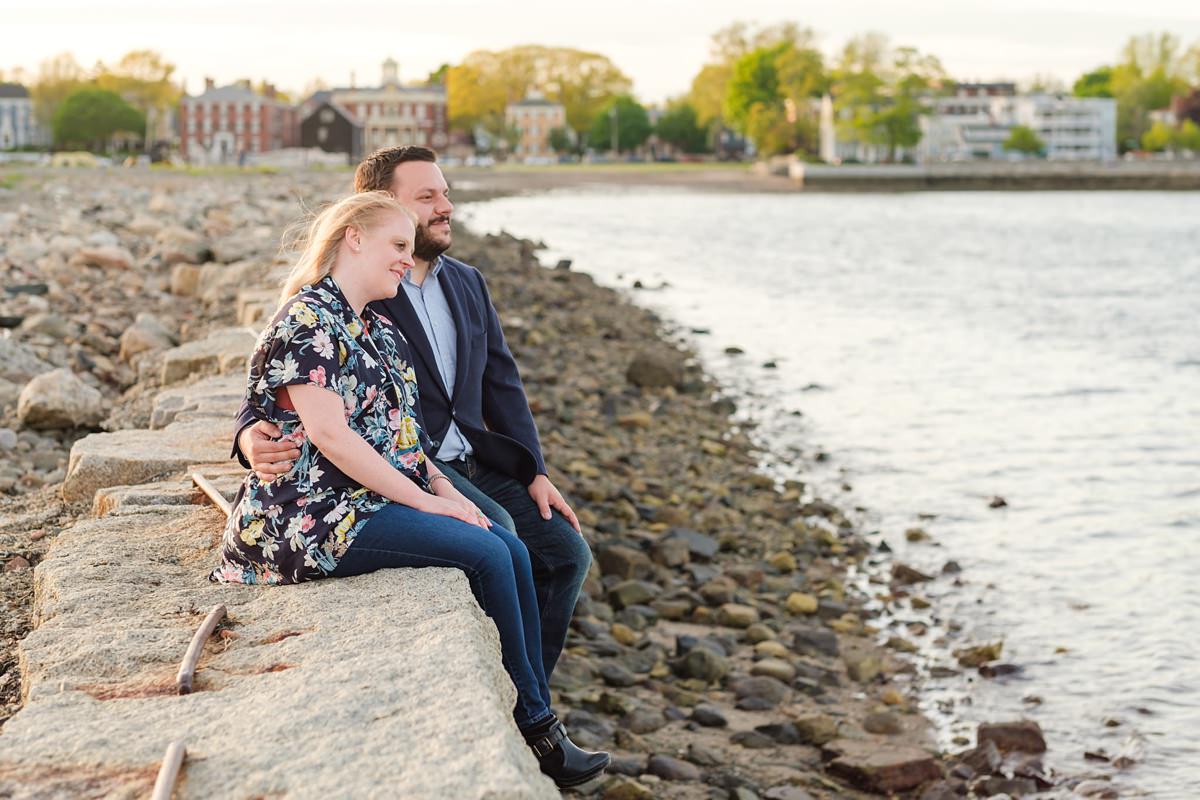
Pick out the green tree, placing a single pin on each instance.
(1151, 71)
(1158, 138)
(633, 125)
(561, 140)
(679, 126)
(1097, 83)
(1023, 139)
(880, 92)
(438, 76)
(481, 87)
(89, 118)
(57, 77)
(1188, 136)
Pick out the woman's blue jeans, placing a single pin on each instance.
(496, 564)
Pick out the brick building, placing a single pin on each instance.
(392, 114)
(219, 125)
(534, 118)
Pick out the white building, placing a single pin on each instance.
(974, 122)
(18, 127)
(392, 114)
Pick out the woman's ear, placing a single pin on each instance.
(353, 238)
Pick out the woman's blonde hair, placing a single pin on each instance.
(317, 239)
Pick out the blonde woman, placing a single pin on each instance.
(335, 378)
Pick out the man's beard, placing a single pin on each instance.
(425, 247)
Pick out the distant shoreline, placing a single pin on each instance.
(774, 177)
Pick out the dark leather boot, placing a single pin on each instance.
(562, 759)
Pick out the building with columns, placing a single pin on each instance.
(394, 114)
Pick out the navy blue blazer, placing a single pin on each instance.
(488, 400)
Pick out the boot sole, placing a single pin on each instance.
(587, 776)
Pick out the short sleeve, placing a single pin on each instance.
(300, 348)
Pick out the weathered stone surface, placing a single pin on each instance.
(736, 615)
(672, 769)
(216, 398)
(1023, 736)
(133, 456)
(881, 768)
(222, 351)
(59, 399)
(364, 671)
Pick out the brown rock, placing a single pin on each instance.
(16, 564)
(1024, 736)
(735, 615)
(881, 768)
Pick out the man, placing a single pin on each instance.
(472, 402)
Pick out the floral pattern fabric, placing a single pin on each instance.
(297, 526)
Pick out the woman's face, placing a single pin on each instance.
(387, 255)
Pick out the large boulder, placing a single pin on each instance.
(60, 399)
(385, 685)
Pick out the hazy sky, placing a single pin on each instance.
(660, 45)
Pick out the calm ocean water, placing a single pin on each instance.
(944, 348)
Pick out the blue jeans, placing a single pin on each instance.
(497, 566)
(559, 555)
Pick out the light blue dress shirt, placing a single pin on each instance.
(429, 301)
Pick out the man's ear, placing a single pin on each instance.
(353, 238)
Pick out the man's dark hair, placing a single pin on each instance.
(374, 172)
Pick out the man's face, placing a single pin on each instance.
(421, 186)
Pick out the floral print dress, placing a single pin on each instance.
(297, 526)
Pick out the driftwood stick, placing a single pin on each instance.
(210, 491)
(168, 773)
(187, 670)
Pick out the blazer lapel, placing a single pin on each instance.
(454, 299)
(401, 310)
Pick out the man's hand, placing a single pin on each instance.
(546, 496)
(267, 455)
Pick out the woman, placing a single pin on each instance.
(334, 376)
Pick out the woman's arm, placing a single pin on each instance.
(323, 416)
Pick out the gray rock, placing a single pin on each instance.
(763, 689)
(59, 399)
(700, 545)
(673, 769)
(631, 592)
(703, 664)
(8, 439)
(18, 363)
(709, 716)
(644, 720)
(882, 722)
(655, 368)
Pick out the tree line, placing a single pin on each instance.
(760, 83)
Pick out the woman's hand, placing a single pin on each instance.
(461, 508)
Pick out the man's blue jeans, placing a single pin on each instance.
(560, 556)
(496, 564)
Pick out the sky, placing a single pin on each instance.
(660, 45)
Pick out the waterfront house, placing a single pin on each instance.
(973, 123)
(533, 118)
(18, 126)
(225, 122)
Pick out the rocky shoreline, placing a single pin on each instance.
(718, 649)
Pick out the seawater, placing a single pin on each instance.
(942, 349)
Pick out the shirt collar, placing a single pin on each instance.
(434, 269)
